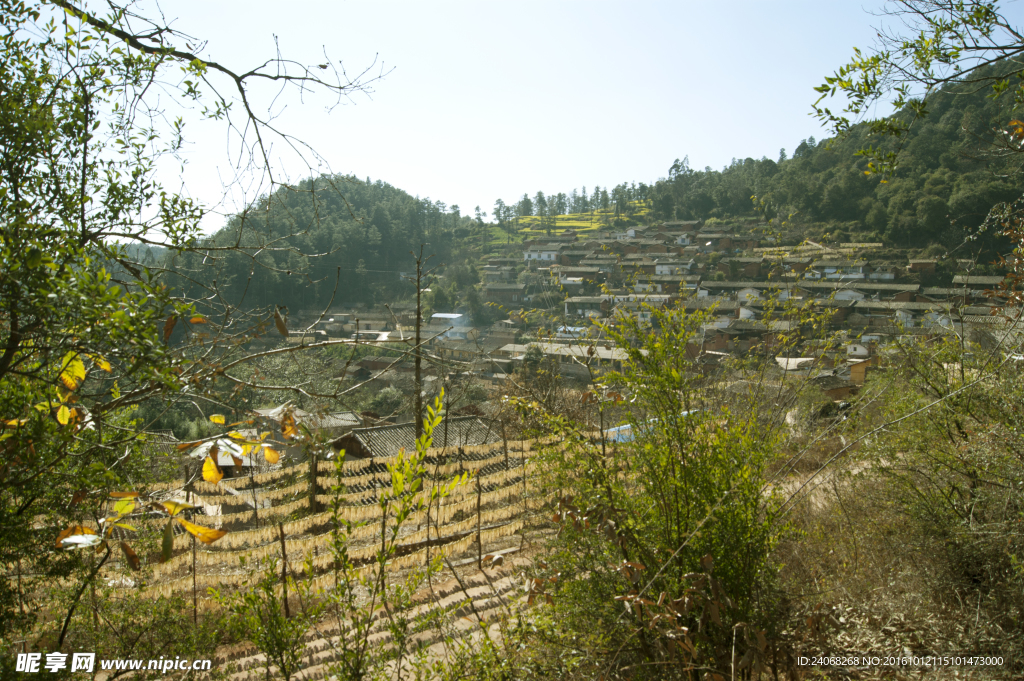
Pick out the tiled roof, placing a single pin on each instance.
(978, 280)
(840, 263)
(338, 419)
(860, 285)
(453, 432)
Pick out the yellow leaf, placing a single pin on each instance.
(63, 415)
(197, 320)
(207, 535)
(73, 531)
(211, 471)
(264, 436)
(124, 507)
(174, 507)
(217, 418)
(124, 495)
(271, 455)
(100, 362)
(72, 371)
(288, 427)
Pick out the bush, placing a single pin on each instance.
(678, 516)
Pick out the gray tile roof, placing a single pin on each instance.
(386, 441)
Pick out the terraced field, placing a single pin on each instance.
(478, 528)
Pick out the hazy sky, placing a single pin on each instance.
(489, 100)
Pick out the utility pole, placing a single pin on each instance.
(417, 358)
(418, 416)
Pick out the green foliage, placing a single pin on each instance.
(680, 514)
(258, 613)
(387, 401)
(364, 593)
(134, 626)
(364, 232)
(954, 467)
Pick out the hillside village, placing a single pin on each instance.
(756, 289)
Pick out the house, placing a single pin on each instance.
(746, 267)
(938, 294)
(573, 257)
(636, 309)
(975, 281)
(547, 253)
(842, 269)
(848, 294)
(885, 271)
(748, 293)
(750, 334)
(450, 325)
(387, 441)
(797, 264)
(835, 387)
(792, 364)
(859, 371)
(922, 266)
(326, 425)
(460, 352)
(898, 292)
(588, 274)
(492, 274)
(587, 306)
(686, 226)
(713, 241)
(505, 294)
(572, 357)
(671, 266)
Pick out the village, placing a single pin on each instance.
(756, 291)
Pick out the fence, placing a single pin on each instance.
(281, 512)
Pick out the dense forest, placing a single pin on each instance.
(334, 238)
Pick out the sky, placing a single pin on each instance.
(486, 100)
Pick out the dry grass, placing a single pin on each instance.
(861, 577)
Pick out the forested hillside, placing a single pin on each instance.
(949, 177)
(338, 237)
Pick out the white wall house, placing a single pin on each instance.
(749, 293)
(671, 267)
(839, 269)
(541, 254)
